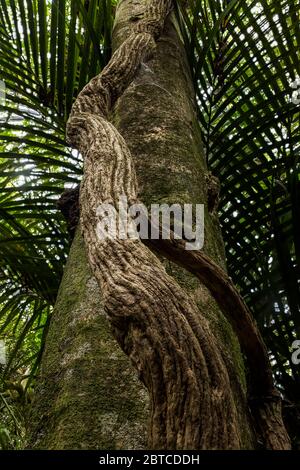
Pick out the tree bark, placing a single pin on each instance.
(88, 396)
(163, 331)
(177, 337)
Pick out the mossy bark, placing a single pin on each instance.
(157, 117)
(88, 395)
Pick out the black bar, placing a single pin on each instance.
(144, 459)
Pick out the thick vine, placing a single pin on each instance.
(156, 323)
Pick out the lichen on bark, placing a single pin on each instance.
(156, 323)
(88, 395)
(156, 115)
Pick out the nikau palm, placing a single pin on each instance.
(176, 314)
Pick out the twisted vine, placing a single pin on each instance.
(156, 323)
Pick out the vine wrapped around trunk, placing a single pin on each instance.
(156, 323)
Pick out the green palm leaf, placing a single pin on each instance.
(48, 52)
(244, 57)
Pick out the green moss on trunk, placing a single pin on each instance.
(157, 117)
(88, 395)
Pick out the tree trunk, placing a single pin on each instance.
(88, 396)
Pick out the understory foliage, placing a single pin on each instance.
(244, 59)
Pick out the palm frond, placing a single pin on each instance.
(49, 50)
(244, 57)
